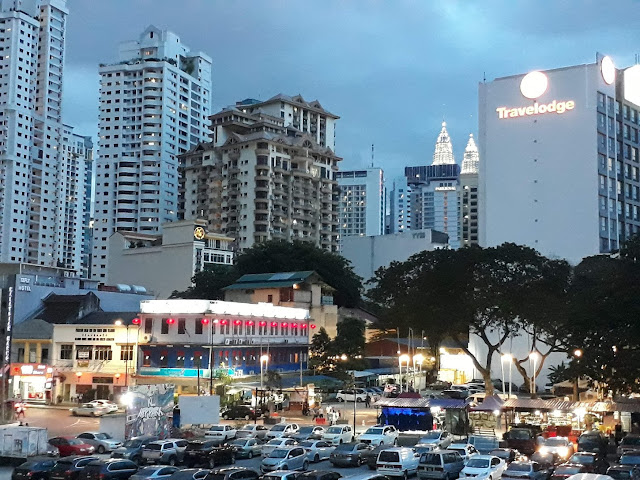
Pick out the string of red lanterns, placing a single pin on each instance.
(262, 323)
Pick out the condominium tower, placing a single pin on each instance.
(362, 202)
(154, 104)
(468, 223)
(269, 173)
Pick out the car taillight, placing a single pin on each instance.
(29, 474)
(102, 476)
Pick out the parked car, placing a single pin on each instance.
(319, 475)
(338, 434)
(460, 394)
(629, 442)
(565, 470)
(89, 410)
(222, 433)
(34, 469)
(239, 411)
(520, 470)
(439, 385)
(309, 432)
(440, 464)
(252, 431)
(69, 468)
(370, 455)
(132, 448)
(484, 466)
(317, 450)
(110, 469)
(190, 474)
(631, 458)
(232, 473)
(380, 435)
(507, 454)
(547, 460)
(484, 443)
(111, 407)
(439, 438)
(522, 439)
(71, 446)
(209, 454)
(169, 451)
(595, 462)
(359, 395)
(561, 446)
(103, 442)
(246, 447)
(281, 475)
(277, 443)
(283, 429)
(593, 442)
(154, 472)
(623, 472)
(465, 450)
(348, 454)
(398, 462)
(291, 458)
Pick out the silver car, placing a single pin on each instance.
(169, 451)
(103, 442)
(439, 438)
(317, 450)
(293, 458)
(155, 472)
(274, 443)
(252, 431)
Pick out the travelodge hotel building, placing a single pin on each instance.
(560, 169)
(180, 339)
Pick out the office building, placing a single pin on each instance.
(34, 226)
(154, 104)
(262, 178)
(362, 202)
(559, 159)
(468, 223)
(166, 262)
(400, 206)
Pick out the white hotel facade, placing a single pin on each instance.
(560, 169)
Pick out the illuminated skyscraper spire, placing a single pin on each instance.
(471, 157)
(443, 154)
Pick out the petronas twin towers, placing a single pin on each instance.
(443, 153)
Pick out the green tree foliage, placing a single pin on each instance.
(492, 293)
(273, 380)
(280, 256)
(319, 351)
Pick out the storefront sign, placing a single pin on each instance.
(8, 327)
(536, 109)
(28, 369)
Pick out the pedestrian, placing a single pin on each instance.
(367, 401)
(20, 410)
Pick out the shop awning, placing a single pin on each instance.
(443, 403)
(489, 404)
(527, 404)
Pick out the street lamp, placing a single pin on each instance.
(577, 353)
(509, 358)
(404, 358)
(418, 359)
(534, 356)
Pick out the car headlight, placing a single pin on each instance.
(544, 450)
(563, 452)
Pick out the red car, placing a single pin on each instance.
(71, 446)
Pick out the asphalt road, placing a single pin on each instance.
(59, 421)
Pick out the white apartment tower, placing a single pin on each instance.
(469, 195)
(362, 202)
(154, 104)
(400, 206)
(32, 164)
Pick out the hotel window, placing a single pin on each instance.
(603, 203)
(66, 352)
(602, 121)
(104, 353)
(182, 326)
(148, 325)
(602, 142)
(146, 358)
(601, 100)
(126, 353)
(180, 359)
(602, 162)
(197, 323)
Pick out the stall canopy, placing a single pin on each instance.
(443, 403)
(489, 404)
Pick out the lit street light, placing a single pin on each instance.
(534, 356)
(509, 358)
(404, 358)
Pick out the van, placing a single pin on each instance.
(397, 462)
(440, 464)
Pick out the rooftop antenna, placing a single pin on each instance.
(484, 77)
(372, 154)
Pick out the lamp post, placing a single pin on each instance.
(418, 359)
(577, 353)
(404, 358)
(508, 358)
(534, 356)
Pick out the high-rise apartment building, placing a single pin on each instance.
(468, 223)
(262, 178)
(31, 162)
(400, 206)
(362, 202)
(559, 167)
(154, 104)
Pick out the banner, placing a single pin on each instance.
(149, 409)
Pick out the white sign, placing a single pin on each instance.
(536, 109)
(84, 355)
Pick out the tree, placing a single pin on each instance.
(349, 344)
(273, 380)
(208, 283)
(490, 293)
(320, 350)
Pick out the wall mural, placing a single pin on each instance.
(149, 409)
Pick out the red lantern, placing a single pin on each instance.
(263, 324)
(237, 322)
(223, 322)
(284, 324)
(313, 326)
(171, 321)
(274, 324)
(205, 321)
(136, 321)
(250, 323)
(304, 325)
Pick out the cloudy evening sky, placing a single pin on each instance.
(391, 69)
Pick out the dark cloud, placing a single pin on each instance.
(391, 69)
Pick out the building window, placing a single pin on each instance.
(269, 298)
(284, 328)
(237, 327)
(126, 353)
(146, 358)
(104, 352)
(164, 359)
(182, 326)
(66, 352)
(148, 325)
(84, 352)
(164, 329)
(286, 294)
(262, 328)
(180, 359)
(250, 329)
(294, 329)
(44, 356)
(198, 326)
(274, 328)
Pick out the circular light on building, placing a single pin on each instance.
(608, 70)
(534, 84)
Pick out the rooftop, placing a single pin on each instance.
(254, 281)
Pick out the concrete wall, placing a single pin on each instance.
(199, 410)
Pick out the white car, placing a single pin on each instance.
(220, 432)
(380, 435)
(282, 429)
(487, 467)
(561, 446)
(89, 410)
(397, 462)
(317, 450)
(439, 438)
(252, 431)
(103, 442)
(274, 443)
(466, 450)
(360, 395)
(338, 434)
(111, 406)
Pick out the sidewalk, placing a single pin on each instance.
(60, 406)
